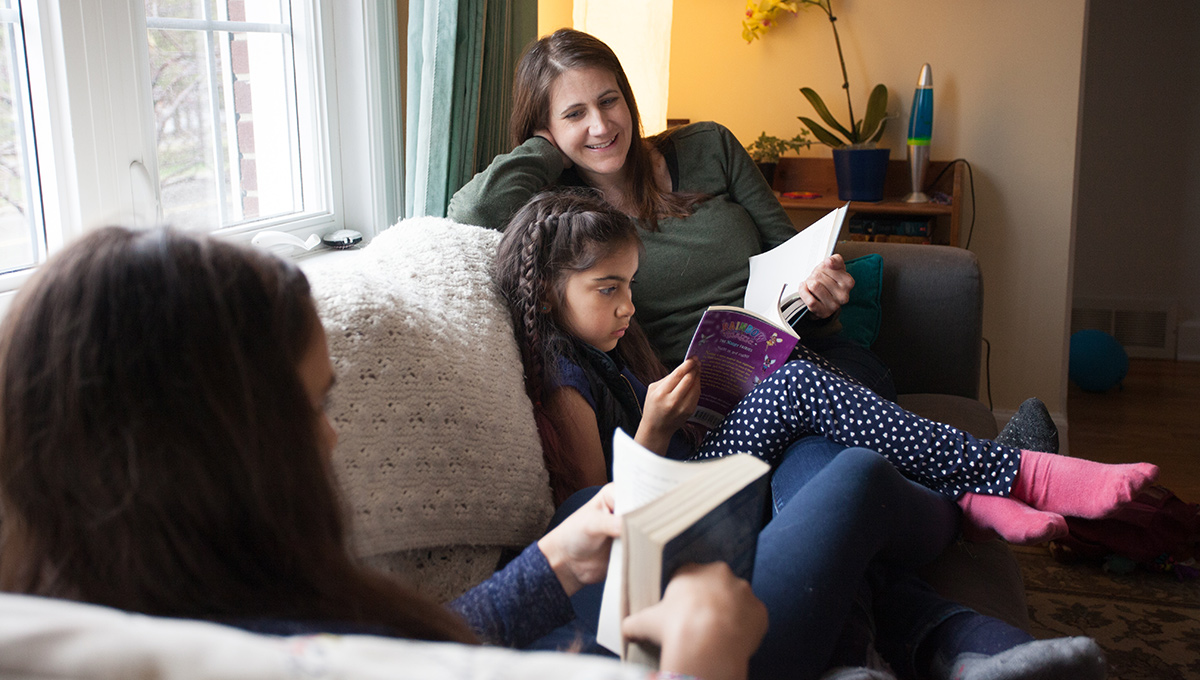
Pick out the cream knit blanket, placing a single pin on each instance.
(437, 444)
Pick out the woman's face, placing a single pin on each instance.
(316, 374)
(591, 124)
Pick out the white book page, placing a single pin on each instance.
(780, 271)
(641, 476)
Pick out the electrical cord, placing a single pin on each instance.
(971, 179)
(987, 362)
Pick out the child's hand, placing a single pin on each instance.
(577, 549)
(708, 623)
(669, 403)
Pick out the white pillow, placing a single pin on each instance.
(437, 443)
(45, 638)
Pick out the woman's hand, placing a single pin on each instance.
(546, 135)
(708, 623)
(577, 549)
(827, 288)
(669, 404)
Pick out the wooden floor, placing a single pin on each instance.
(1154, 416)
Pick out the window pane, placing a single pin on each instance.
(22, 235)
(272, 11)
(179, 9)
(225, 108)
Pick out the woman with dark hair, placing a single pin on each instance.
(701, 204)
(164, 450)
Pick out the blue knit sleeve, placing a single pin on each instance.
(518, 604)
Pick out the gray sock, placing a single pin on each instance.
(1077, 658)
(1031, 428)
(857, 673)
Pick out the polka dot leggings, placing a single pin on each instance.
(801, 399)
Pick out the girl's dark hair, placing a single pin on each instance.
(158, 451)
(556, 234)
(566, 50)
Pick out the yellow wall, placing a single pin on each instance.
(554, 14)
(1006, 95)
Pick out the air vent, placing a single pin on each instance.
(1145, 328)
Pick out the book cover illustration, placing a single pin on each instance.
(737, 350)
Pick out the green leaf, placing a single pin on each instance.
(823, 136)
(823, 111)
(873, 123)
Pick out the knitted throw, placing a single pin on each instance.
(437, 444)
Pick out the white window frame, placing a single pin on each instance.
(96, 142)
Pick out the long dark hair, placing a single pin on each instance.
(556, 234)
(566, 50)
(158, 451)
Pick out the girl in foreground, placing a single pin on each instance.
(566, 267)
(164, 450)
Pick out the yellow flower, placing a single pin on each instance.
(761, 15)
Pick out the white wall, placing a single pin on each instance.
(1138, 232)
(1006, 91)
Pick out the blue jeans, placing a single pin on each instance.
(814, 554)
(905, 609)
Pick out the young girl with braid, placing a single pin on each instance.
(566, 267)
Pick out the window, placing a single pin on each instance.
(227, 115)
(22, 230)
(224, 84)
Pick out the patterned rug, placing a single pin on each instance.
(1148, 623)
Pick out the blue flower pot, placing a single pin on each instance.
(860, 173)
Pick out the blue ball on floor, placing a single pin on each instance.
(1098, 362)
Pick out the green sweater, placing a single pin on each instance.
(690, 262)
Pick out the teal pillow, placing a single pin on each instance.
(860, 316)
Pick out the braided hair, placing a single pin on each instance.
(556, 234)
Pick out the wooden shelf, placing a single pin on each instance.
(816, 175)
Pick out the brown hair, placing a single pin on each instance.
(556, 234)
(565, 50)
(158, 452)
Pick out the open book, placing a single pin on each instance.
(738, 347)
(675, 513)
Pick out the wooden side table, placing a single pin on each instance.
(816, 175)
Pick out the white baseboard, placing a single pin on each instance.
(1002, 417)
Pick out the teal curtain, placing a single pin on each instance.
(461, 56)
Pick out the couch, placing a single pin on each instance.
(441, 466)
(439, 456)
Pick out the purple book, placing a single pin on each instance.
(736, 349)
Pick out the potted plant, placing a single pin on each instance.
(767, 149)
(860, 166)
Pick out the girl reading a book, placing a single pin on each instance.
(164, 450)
(701, 204)
(566, 266)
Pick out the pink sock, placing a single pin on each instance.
(985, 517)
(1077, 487)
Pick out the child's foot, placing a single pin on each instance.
(1031, 427)
(1077, 658)
(986, 517)
(1076, 487)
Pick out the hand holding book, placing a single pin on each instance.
(739, 347)
(708, 623)
(670, 402)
